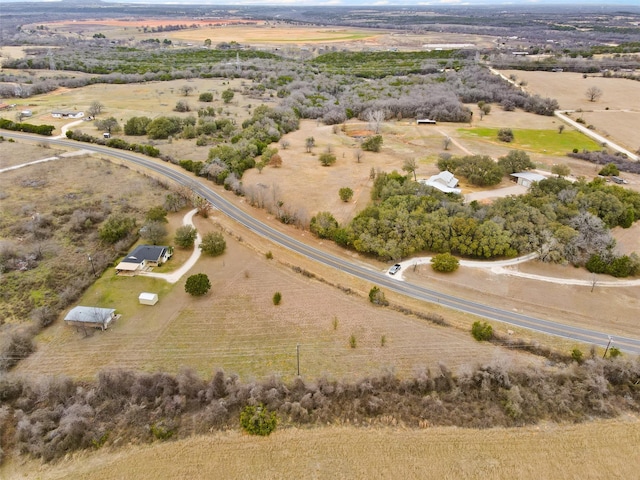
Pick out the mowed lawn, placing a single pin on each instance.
(549, 142)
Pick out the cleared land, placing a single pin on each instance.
(236, 327)
(603, 449)
(261, 33)
(614, 116)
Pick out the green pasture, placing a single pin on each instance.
(121, 292)
(540, 141)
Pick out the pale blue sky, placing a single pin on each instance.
(293, 3)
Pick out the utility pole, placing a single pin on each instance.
(298, 357)
(605, 350)
(92, 266)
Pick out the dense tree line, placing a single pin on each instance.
(50, 417)
(563, 221)
(118, 143)
(27, 127)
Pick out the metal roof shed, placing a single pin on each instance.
(90, 317)
(146, 298)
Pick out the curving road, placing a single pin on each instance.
(627, 344)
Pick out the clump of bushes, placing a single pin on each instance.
(372, 144)
(505, 135)
(622, 266)
(482, 331)
(376, 296)
(445, 262)
(45, 130)
(258, 420)
(277, 298)
(213, 244)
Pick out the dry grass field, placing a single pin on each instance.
(597, 450)
(263, 34)
(236, 327)
(152, 99)
(616, 115)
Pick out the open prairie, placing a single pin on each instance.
(264, 34)
(615, 115)
(601, 449)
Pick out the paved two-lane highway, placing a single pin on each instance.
(627, 344)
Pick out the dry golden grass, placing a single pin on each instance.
(18, 153)
(614, 116)
(152, 99)
(236, 327)
(261, 33)
(602, 449)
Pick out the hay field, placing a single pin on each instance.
(616, 115)
(596, 450)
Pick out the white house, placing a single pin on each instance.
(142, 257)
(66, 114)
(443, 181)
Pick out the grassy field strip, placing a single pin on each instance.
(540, 141)
(591, 450)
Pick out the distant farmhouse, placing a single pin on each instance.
(66, 114)
(92, 317)
(425, 121)
(143, 257)
(444, 181)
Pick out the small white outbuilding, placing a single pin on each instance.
(146, 298)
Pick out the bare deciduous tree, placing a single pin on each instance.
(310, 142)
(95, 108)
(375, 119)
(593, 94)
(358, 155)
(446, 143)
(186, 90)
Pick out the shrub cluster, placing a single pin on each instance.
(618, 160)
(118, 143)
(26, 127)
